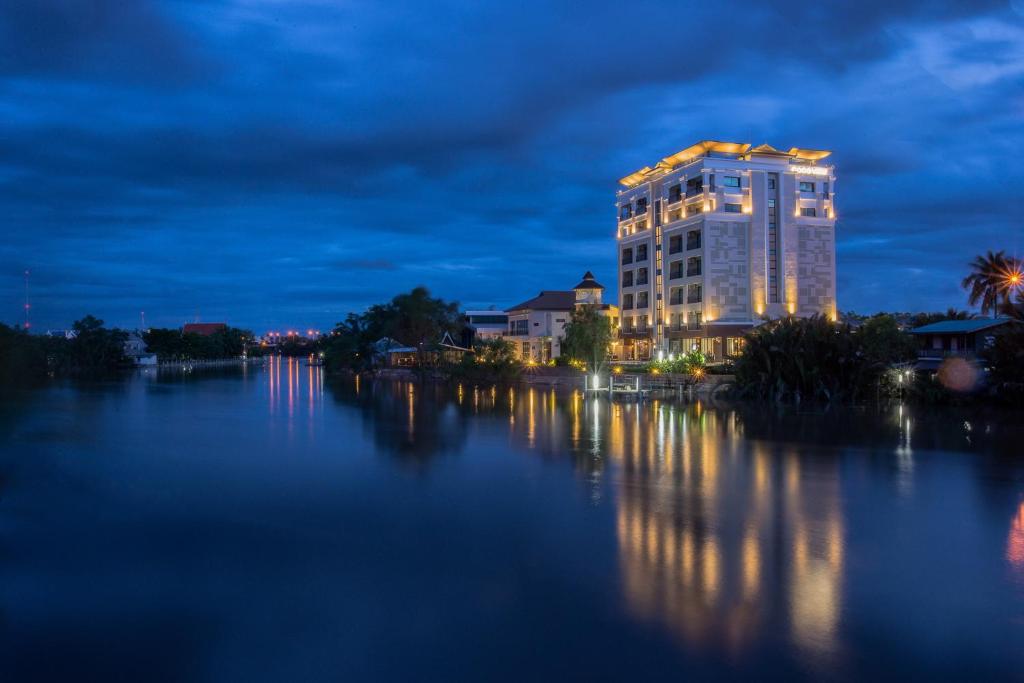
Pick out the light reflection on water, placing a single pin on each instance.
(709, 539)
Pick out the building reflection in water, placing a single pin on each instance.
(1015, 543)
(724, 535)
(722, 538)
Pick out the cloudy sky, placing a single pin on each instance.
(280, 163)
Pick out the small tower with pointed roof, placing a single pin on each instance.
(589, 290)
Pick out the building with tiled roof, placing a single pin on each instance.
(536, 326)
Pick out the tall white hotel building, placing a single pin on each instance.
(718, 237)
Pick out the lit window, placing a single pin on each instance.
(806, 187)
(731, 181)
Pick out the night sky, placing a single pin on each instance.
(278, 164)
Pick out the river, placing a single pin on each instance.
(263, 524)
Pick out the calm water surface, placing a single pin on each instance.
(263, 524)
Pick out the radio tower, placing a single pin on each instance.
(28, 305)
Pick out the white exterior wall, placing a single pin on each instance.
(734, 246)
(542, 327)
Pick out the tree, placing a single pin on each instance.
(816, 359)
(1005, 361)
(587, 336)
(492, 360)
(22, 357)
(94, 351)
(991, 282)
(412, 319)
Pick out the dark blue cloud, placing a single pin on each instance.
(281, 163)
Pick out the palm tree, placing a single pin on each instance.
(991, 281)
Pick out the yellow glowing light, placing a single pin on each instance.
(655, 371)
(617, 370)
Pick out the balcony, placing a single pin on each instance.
(692, 271)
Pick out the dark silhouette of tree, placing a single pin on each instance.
(991, 282)
(587, 335)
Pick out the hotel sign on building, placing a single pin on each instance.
(719, 237)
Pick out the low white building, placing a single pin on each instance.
(536, 326)
(486, 324)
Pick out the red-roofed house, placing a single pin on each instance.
(203, 329)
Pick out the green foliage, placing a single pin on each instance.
(411, 319)
(818, 360)
(95, 350)
(989, 284)
(1005, 361)
(22, 357)
(492, 360)
(692, 363)
(587, 336)
(173, 345)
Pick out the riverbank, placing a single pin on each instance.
(564, 378)
(215, 363)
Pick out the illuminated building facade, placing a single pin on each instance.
(536, 326)
(718, 237)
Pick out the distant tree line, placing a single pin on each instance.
(176, 345)
(93, 351)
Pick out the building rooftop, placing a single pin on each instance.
(961, 326)
(741, 150)
(589, 282)
(548, 300)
